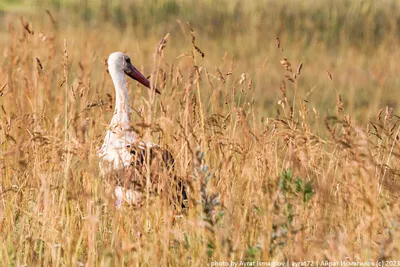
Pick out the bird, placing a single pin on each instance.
(123, 158)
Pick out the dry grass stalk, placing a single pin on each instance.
(282, 178)
(194, 41)
(299, 68)
(162, 44)
(220, 75)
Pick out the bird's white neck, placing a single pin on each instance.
(122, 111)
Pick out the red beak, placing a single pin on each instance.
(132, 72)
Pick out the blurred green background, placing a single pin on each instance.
(362, 24)
(354, 40)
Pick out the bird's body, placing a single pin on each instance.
(123, 158)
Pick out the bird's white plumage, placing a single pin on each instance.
(115, 154)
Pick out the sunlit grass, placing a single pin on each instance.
(284, 162)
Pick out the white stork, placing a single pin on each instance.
(124, 158)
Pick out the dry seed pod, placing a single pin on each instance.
(39, 64)
(286, 64)
(221, 77)
(162, 44)
(379, 114)
(250, 85)
(194, 40)
(299, 68)
(278, 43)
(242, 78)
(329, 75)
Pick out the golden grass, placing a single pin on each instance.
(303, 168)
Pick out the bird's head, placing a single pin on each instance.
(120, 62)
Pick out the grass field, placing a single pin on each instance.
(281, 116)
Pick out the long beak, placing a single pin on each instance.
(132, 72)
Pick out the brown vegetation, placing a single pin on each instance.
(286, 157)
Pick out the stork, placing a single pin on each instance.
(123, 158)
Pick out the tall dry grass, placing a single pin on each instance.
(284, 160)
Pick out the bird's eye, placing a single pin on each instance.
(128, 60)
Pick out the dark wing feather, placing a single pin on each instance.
(160, 163)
